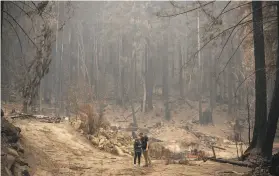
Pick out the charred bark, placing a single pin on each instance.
(260, 81)
(181, 80)
(165, 81)
(148, 77)
(274, 110)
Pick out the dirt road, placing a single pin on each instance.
(57, 149)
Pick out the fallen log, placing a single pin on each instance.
(218, 147)
(79, 167)
(22, 116)
(237, 163)
(42, 118)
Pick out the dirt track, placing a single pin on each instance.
(56, 149)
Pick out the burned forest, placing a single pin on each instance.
(139, 88)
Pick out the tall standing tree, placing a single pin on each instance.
(148, 76)
(274, 110)
(260, 81)
(166, 77)
(181, 72)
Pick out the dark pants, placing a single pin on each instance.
(137, 155)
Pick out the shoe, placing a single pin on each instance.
(135, 165)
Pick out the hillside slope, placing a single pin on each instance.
(57, 149)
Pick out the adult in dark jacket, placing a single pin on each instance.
(137, 150)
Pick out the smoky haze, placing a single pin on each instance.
(122, 52)
(195, 80)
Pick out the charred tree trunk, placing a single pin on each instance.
(212, 82)
(181, 72)
(25, 106)
(57, 59)
(248, 117)
(133, 71)
(61, 103)
(118, 73)
(230, 86)
(148, 76)
(260, 82)
(135, 74)
(134, 114)
(143, 70)
(200, 75)
(2, 8)
(113, 63)
(172, 67)
(274, 110)
(165, 80)
(122, 85)
(223, 88)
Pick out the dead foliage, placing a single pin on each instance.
(92, 120)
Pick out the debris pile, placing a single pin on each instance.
(112, 141)
(206, 139)
(101, 133)
(12, 161)
(166, 150)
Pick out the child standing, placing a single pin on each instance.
(137, 150)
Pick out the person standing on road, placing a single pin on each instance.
(137, 150)
(145, 149)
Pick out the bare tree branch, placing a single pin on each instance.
(223, 84)
(239, 46)
(206, 13)
(212, 38)
(246, 79)
(16, 33)
(45, 13)
(173, 3)
(24, 13)
(223, 9)
(232, 27)
(216, 19)
(34, 5)
(172, 15)
(243, 4)
(21, 28)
